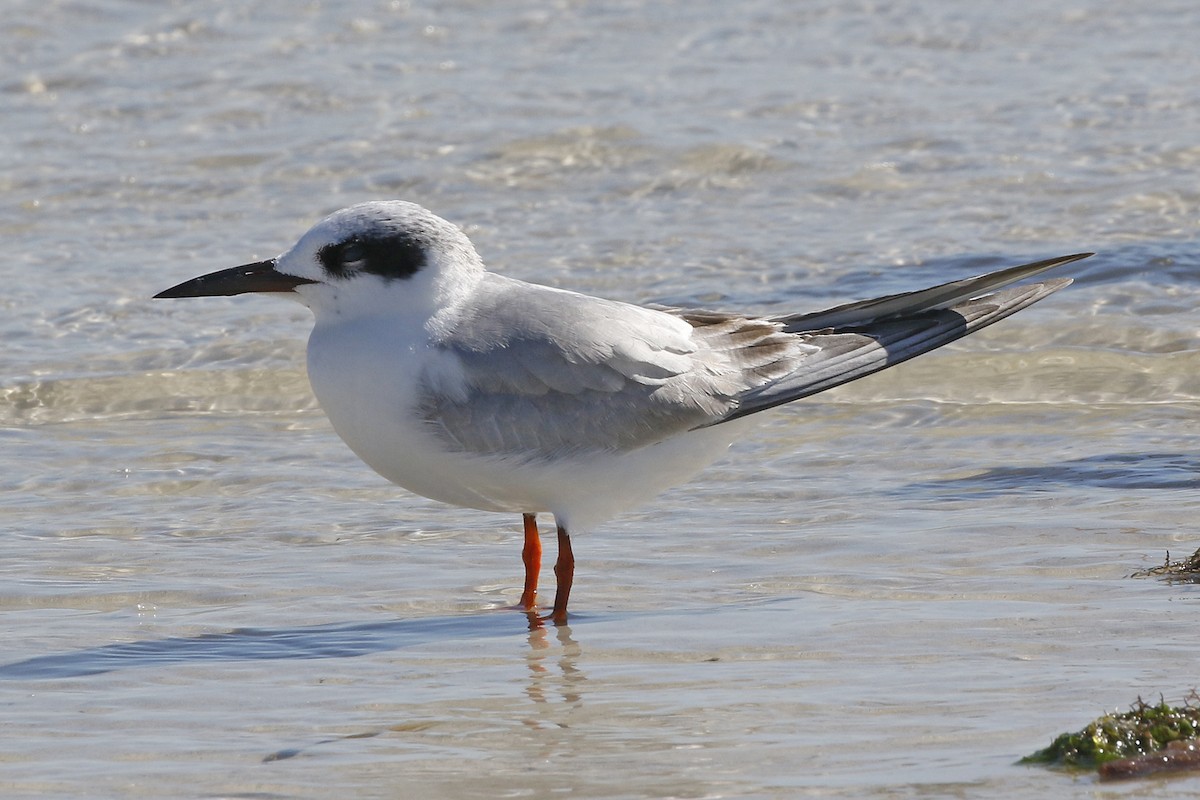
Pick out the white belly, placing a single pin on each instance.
(369, 394)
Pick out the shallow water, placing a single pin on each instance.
(895, 589)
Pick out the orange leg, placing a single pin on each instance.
(564, 571)
(532, 556)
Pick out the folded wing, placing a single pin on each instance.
(539, 372)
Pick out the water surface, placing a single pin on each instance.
(896, 588)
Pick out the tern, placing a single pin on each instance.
(482, 391)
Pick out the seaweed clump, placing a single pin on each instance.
(1138, 739)
(1185, 570)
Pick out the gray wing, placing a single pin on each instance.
(858, 339)
(546, 372)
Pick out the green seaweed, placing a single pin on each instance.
(1142, 729)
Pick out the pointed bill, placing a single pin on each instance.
(258, 277)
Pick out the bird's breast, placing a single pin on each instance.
(367, 380)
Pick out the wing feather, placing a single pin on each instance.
(546, 372)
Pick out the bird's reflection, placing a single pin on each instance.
(555, 687)
(543, 657)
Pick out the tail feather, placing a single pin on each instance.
(858, 339)
(909, 303)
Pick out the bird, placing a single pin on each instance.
(487, 392)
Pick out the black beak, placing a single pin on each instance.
(260, 277)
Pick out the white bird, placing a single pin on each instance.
(488, 392)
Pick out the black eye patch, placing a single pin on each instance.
(393, 257)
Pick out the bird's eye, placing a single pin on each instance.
(353, 253)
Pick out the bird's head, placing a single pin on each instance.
(387, 257)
